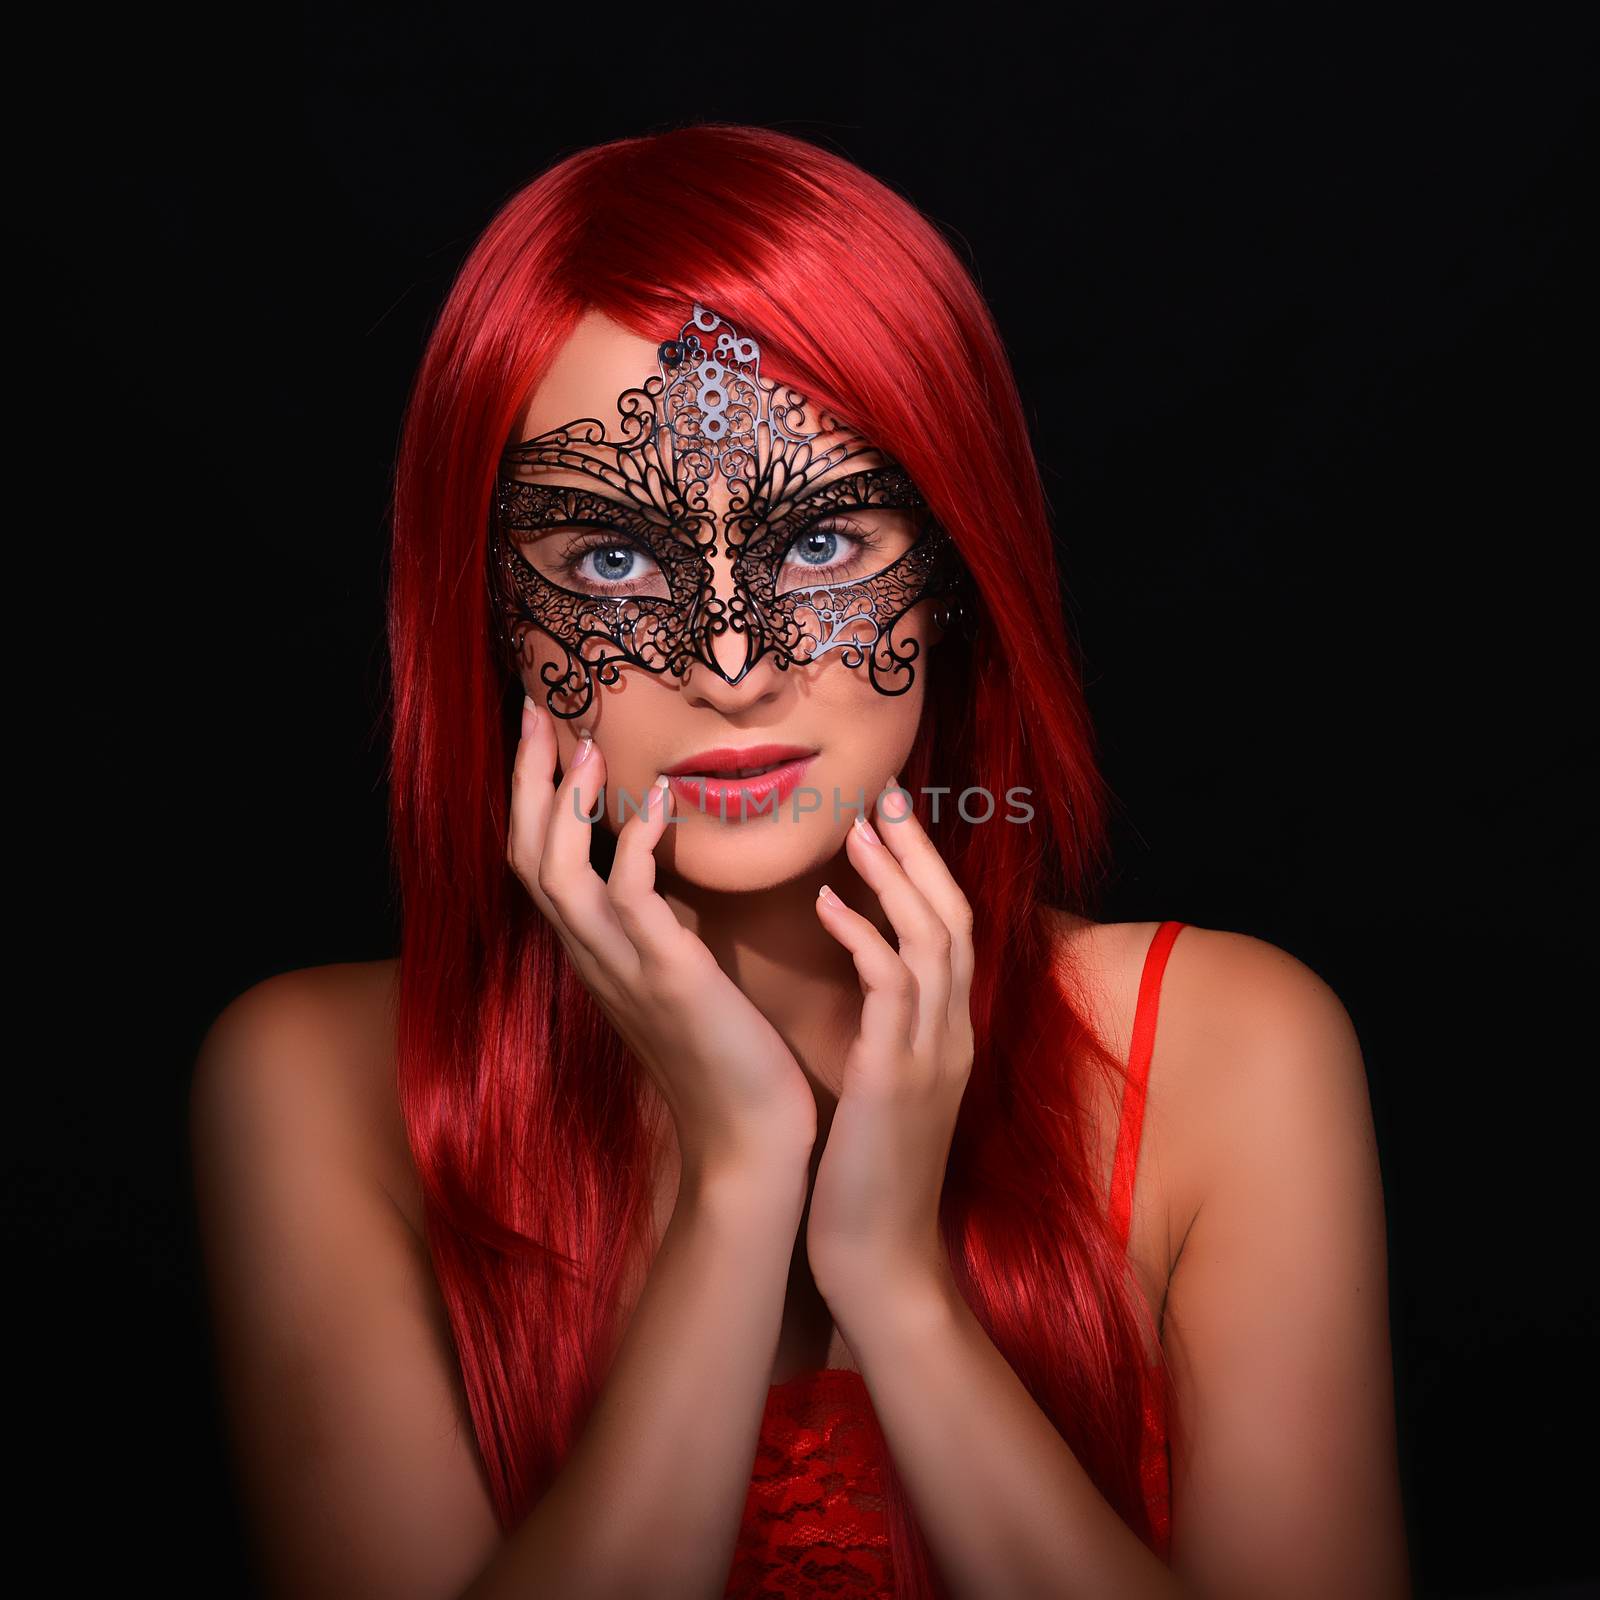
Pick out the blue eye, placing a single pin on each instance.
(817, 547)
(600, 564)
(833, 552)
(612, 562)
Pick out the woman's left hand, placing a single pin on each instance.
(874, 1219)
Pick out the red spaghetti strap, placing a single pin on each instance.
(1129, 1129)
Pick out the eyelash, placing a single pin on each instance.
(585, 545)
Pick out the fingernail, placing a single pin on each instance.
(825, 893)
(894, 802)
(585, 745)
(530, 715)
(868, 832)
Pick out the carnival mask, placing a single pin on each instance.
(623, 573)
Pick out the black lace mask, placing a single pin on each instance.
(624, 572)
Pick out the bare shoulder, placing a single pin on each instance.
(313, 1045)
(338, 1004)
(1263, 1070)
(1242, 1028)
(1254, 1027)
(1258, 1235)
(1237, 1015)
(1255, 986)
(1276, 1323)
(350, 1429)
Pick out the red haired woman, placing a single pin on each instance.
(731, 1187)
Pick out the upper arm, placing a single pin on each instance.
(354, 1450)
(1285, 1472)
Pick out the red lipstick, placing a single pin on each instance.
(710, 781)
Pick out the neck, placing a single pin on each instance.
(772, 944)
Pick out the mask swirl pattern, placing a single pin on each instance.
(707, 417)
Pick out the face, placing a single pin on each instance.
(700, 569)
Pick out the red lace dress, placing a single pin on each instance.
(814, 1519)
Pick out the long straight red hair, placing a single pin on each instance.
(519, 1099)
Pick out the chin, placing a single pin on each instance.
(747, 857)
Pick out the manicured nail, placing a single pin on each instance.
(867, 831)
(585, 745)
(825, 893)
(894, 802)
(530, 715)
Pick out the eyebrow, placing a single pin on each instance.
(841, 472)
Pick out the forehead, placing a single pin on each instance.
(597, 363)
(602, 360)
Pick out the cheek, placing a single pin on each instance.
(914, 636)
(627, 717)
(859, 717)
(542, 666)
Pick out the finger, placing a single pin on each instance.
(908, 841)
(889, 1001)
(531, 790)
(923, 937)
(646, 918)
(532, 793)
(566, 872)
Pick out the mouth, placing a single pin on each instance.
(738, 790)
(738, 772)
(753, 761)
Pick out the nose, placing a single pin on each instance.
(737, 682)
(729, 649)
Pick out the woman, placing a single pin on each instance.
(722, 1193)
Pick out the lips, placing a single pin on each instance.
(776, 771)
(729, 762)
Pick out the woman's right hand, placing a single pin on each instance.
(735, 1092)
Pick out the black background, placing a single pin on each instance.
(1298, 303)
